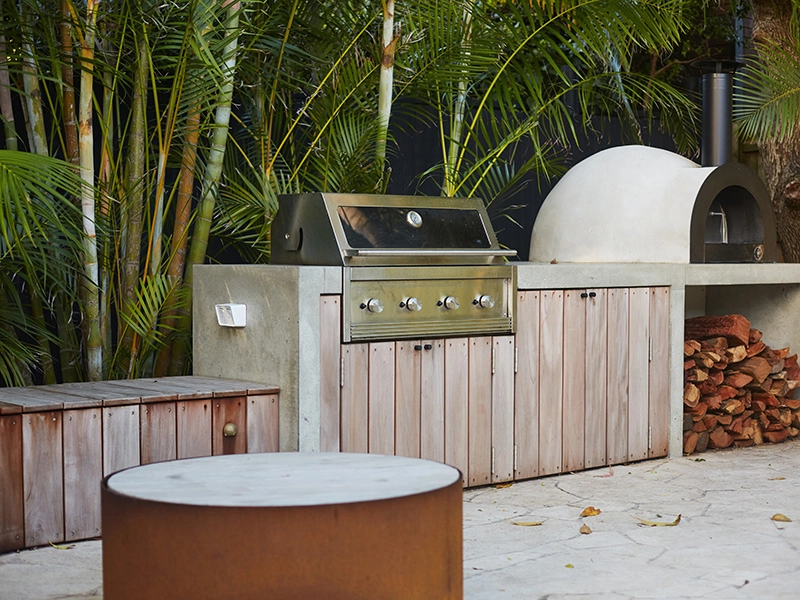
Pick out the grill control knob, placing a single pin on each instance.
(413, 304)
(451, 303)
(484, 301)
(374, 305)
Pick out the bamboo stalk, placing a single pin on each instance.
(93, 338)
(386, 78)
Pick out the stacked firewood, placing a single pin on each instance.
(737, 390)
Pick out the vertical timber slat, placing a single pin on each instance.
(262, 423)
(526, 386)
(229, 410)
(617, 383)
(574, 424)
(354, 398)
(381, 398)
(456, 405)
(659, 372)
(83, 472)
(408, 380)
(550, 382)
(432, 386)
(503, 409)
(638, 373)
(596, 373)
(330, 356)
(158, 432)
(12, 515)
(120, 438)
(193, 428)
(43, 477)
(480, 410)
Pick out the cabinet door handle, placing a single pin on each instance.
(592, 294)
(584, 295)
(428, 347)
(417, 347)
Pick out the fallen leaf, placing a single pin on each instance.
(777, 478)
(590, 511)
(781, 518)
(500, 486)
(610, 472)
(527, 523)
(699, 460)
(585, 529)
(645, 523)
(60, 547)
(569, 566)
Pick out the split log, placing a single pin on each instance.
(736, 354)
(754, 336)
(690, 442)
(756, 348)
(691, 395)
(734, 328)
(756, 366)
(719, 438)
(737, 379)
(726, 391)
(717, 376)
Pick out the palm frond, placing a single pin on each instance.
(768, 102)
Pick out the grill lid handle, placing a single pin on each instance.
(429, 252)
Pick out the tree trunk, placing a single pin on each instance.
(780, 159)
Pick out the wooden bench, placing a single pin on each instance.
(57, 442)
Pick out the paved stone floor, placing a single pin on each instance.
(726, 545)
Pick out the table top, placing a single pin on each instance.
(282, 479)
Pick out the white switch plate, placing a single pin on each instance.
(231, 315)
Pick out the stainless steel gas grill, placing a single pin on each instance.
(414, 266)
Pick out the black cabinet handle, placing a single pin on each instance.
(592, 294)
(584, 295)
(417, 347)
(428, 347)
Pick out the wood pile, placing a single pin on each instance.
(737, 390)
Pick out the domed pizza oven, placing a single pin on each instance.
(642, 204)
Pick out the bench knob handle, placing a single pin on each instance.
(229, 430)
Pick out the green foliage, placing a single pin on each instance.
(508, 86)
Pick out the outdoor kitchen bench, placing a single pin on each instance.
(57, 442)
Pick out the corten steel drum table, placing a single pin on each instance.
(283, 525)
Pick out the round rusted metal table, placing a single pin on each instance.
(283, 525)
